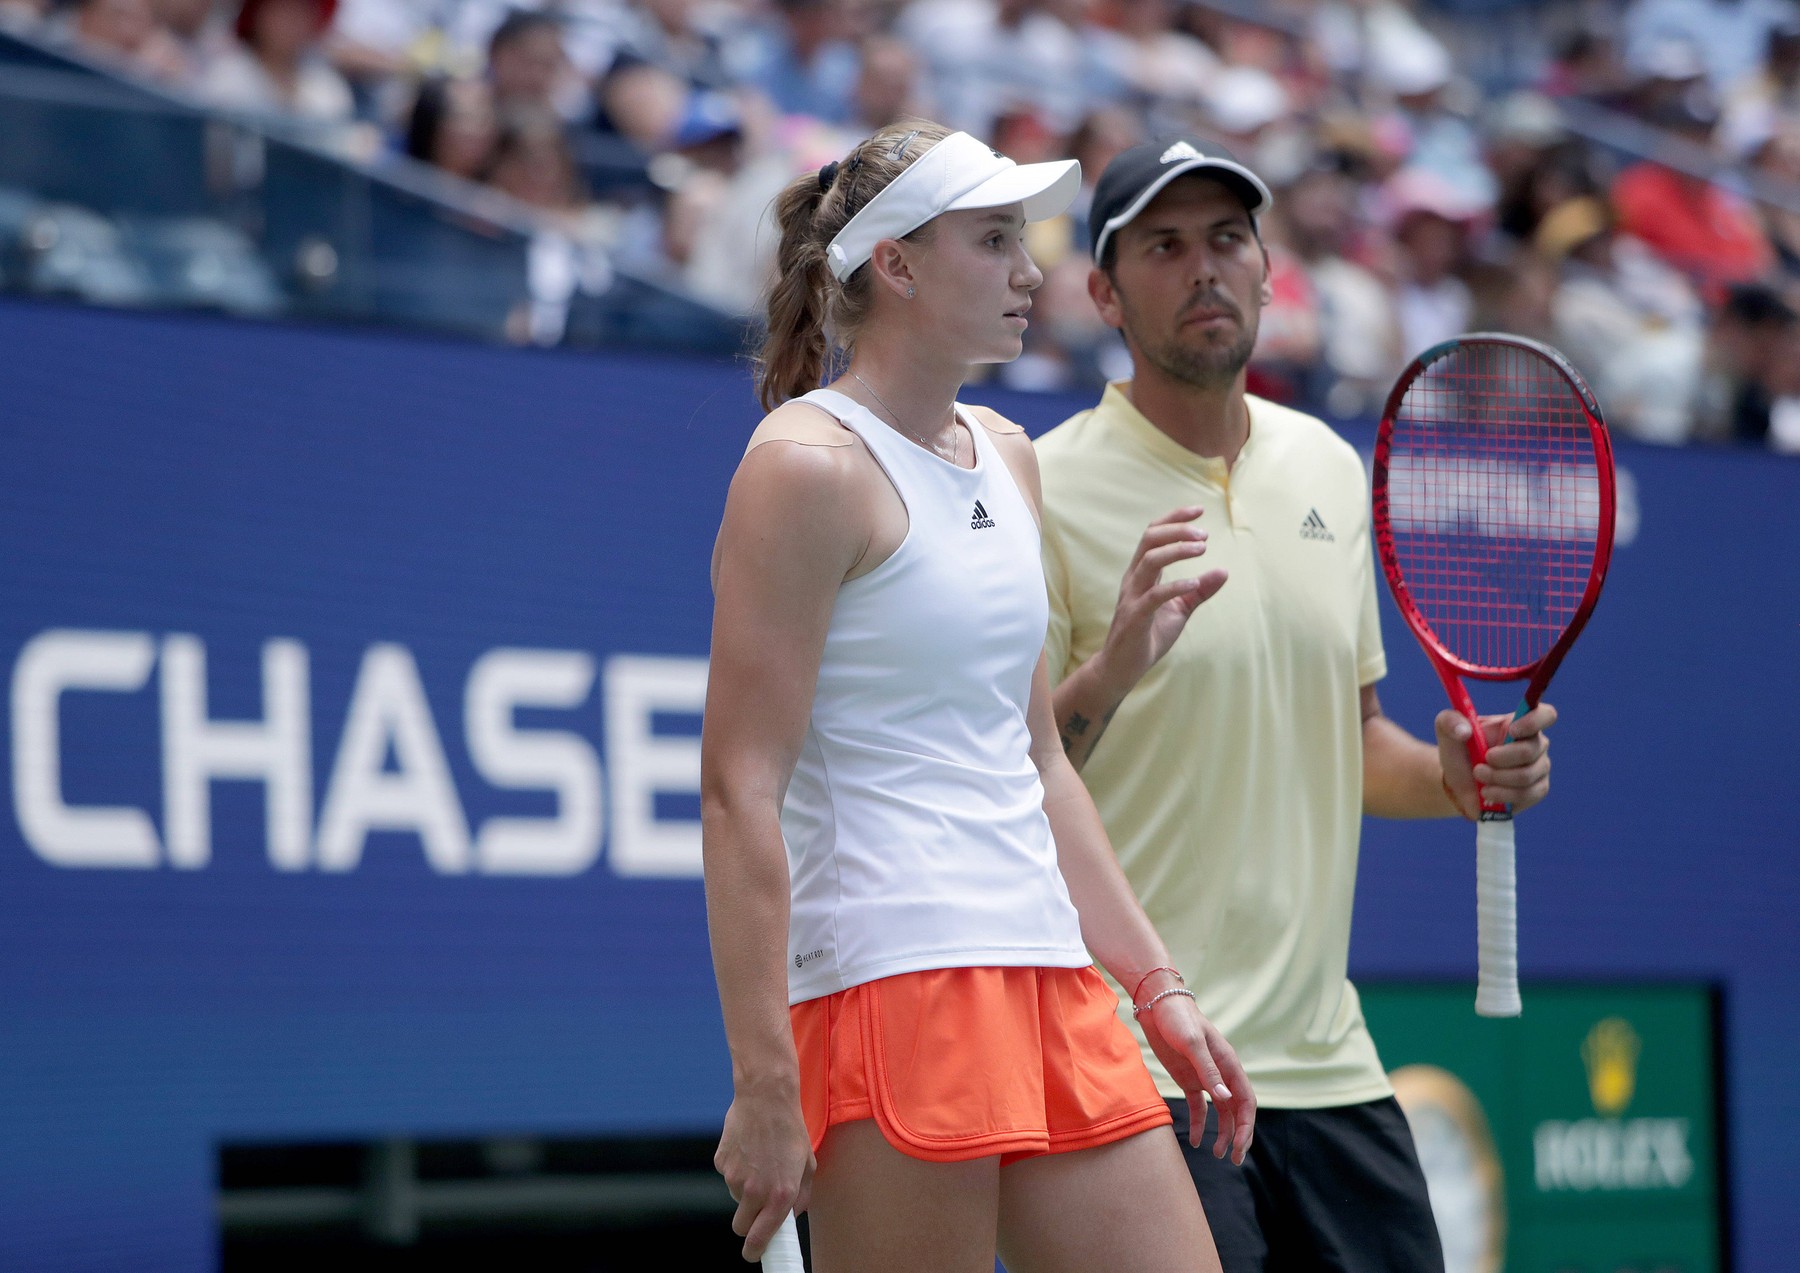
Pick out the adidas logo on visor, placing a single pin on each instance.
(1180, 150)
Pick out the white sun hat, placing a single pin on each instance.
(957, 173)
(1242, 99)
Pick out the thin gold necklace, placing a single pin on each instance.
(955, 437)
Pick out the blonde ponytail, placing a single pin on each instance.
(808, 310)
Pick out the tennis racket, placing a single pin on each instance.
(783, 1253)
(1494, 524)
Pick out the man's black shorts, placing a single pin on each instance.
(1321, 1189)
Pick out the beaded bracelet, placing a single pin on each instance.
(1164, 968)
(1140, 1009)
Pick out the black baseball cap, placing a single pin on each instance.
(1138, 175)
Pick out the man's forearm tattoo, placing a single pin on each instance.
(1077, 726)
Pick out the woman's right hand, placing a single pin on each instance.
(766, 1158)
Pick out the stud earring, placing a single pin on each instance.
(911, 292)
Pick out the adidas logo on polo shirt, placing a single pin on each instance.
(979, 519)
(1314, 528)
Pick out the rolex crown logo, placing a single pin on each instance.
(1610, 1053)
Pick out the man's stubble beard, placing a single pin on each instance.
(1208, 368)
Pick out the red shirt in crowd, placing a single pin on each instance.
(1706, 232)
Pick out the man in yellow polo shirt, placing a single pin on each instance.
(1228, 657)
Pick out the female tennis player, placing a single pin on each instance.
(907, 985)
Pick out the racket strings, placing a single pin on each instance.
(1494, 502)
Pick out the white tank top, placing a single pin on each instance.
(914, 820)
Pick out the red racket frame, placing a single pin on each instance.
(1449, 667)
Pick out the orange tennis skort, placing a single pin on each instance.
(959, 1063)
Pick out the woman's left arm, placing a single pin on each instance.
(1113, 924)
(1122, 939)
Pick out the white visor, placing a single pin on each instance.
(959, 172)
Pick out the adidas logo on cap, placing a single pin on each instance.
(1136, 176)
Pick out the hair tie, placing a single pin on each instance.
(827, 175)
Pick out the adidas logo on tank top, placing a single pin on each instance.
(1314, 528)
(914, 816)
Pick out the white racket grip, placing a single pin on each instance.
(1496, 920)
(783, 1254)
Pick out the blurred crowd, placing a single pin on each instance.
(1424, 186)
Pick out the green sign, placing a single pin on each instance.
(1578, 1138)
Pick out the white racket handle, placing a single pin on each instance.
(783, 1254)
(1496, 920)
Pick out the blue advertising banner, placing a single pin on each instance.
(351, 759)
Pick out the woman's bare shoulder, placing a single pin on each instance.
(801, 422)
(995, 423)
(802, 485)
(801, 454)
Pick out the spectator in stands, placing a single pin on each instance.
(724, 251)
(889, 85)
(22, 15)
(1783, 435)
(453, 127)
(670, 65)
(1105, 132)
(990, 58)
(1664, 74)
(376, 42)
(681, 37)
(1068, 343)
(1516, 294)
(1750, 352)
(199, 32)
(1518, 131)
(1317, 218)
(1630, 323)
(685, 221)
(1432, 220)
(1145, 61)
(1699, 228)
(1353, 38)
(531, 161)
(527, 69)
(1248, 109)
(381, 45)
(1560, 173)
(277, 66)
(127, 34)
(1027, 136)
(645, 105)
(1289, 337)
(659, 113)
(1433, 135)
(1728, 35)
(801, 60)
(1587, 63)
(1778, 159)
(1761, 102)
